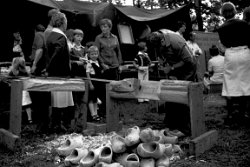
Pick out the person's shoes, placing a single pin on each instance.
(118, 144)
(70, 144)
(149, 162)
(75, 156)
(30, 121)
(96, 118)
(106, 154)
(147, 135)
(132, 136)
(129, 160)
(151, 150)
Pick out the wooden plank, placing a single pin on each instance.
(165, 90)
(35, 84)
(97, 127)
(202, 143)
(149, 90)
(16, 106)
(174, 96)
(112, 115)
(197, 117)
(9, 140)
(81, 110)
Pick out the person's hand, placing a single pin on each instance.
(172, 78)
(166, 69)
(105, 67)
(79, 63)
(91, 87)
(197, 52)
(82, 59)
(33, 68)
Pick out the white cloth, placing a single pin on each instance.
(89, 67)
(143, 73)
(61, 99)
(216, 65)
(26, 98)
(236, 80)
(194, 47)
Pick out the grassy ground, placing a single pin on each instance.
(232, 148)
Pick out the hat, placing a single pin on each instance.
(78, 31)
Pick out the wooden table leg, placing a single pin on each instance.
(16, 107)
(197, 116)
(112, 114)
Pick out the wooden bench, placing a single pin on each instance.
(215, 88)
(183, 92)
(44, 85)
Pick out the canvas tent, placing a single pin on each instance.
(85, 15)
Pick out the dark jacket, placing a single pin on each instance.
(234, 32)
(58, 54)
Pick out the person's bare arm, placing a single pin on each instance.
(38, 55)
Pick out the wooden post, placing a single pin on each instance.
(80, 122)
(16, 106)
(196, 109)
(112, 115)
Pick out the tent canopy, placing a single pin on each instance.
(26, 14)
(96, 9)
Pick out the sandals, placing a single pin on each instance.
(96, 118)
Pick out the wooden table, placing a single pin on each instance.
(43, 85)
(184, 92)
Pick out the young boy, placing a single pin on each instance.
(93, 70)
(142, 63)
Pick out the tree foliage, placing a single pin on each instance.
(207, 10)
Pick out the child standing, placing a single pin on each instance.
(142, 63)
(93, 70)
(18, 68)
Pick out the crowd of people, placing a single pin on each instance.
(57, 51)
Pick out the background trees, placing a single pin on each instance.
(204, 14)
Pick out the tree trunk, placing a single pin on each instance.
(198, 15)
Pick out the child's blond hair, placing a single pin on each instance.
(93, 48)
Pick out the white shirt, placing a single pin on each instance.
(194, 47)
(216, 64)
(89, 67)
